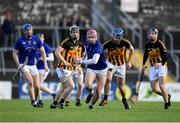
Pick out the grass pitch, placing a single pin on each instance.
(22, 111)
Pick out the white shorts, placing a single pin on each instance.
(98, 72)
(43, 73)
(155, 73)
(32, 69)
(119, 71)
(63, 74)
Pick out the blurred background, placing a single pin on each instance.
(53, 17)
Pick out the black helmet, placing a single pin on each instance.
(74, 28)
(152, 30)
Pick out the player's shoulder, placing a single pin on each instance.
(148, 43)
(161, 43)
(65, 40)
(107, 42)
(125, 40)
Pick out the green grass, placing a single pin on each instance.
(21, 111)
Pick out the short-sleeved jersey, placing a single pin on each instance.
(71, 49)
(155, 51)
(40, 63)
(116, 52)
(96, 49)
(28, 48)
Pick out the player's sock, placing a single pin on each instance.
(53, 95)
(104, 101)
(78, 102)
(166, 106)
(88, 98)
(159, 93)
(89, 90)
(126, 105)
(105, 97)
(169, 99)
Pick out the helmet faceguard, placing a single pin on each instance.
(118, 33)
(28, 30)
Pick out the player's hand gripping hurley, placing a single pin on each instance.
(19, 69)
(134, 98)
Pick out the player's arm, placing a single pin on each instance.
(94, 60)
(50, 57)
(15, 57)
(145, 57)
(58, 51)
(131, 54)
(164, 54)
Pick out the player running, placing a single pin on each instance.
(41, 69)
(27, 46)
(156, 50)
(67, 71)
(116, 49)
(96, 67)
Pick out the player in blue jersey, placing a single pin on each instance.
(96, 66)
(41, 69)
(26, 47)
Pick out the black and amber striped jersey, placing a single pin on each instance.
(71, 49)
(156, 52)
(116, 51)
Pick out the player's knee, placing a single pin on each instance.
(108, 80)
(88, 85)
(71, 87)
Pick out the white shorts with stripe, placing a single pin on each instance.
(155, 73)
(119, 71)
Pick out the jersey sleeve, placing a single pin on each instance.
(163, 52)
(39, 43)
(17, 45)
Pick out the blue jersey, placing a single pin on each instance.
(28, 48)
(92, 49)
(40, 63)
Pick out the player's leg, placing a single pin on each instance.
(58, 96)
(79, 80)
(101, 79)
(67, 102)
(43, 75)
(122, 89)
(40, 102)
(155, 87)
(35, 76)
(164, 91)
(107, 87)
(69, 87)
(29, 78)
(89, 79)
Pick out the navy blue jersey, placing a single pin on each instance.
(40, 63)
(92, 49)
(28, 48)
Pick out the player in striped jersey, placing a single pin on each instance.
(116, 49)
(156, 50)
(69, 48)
